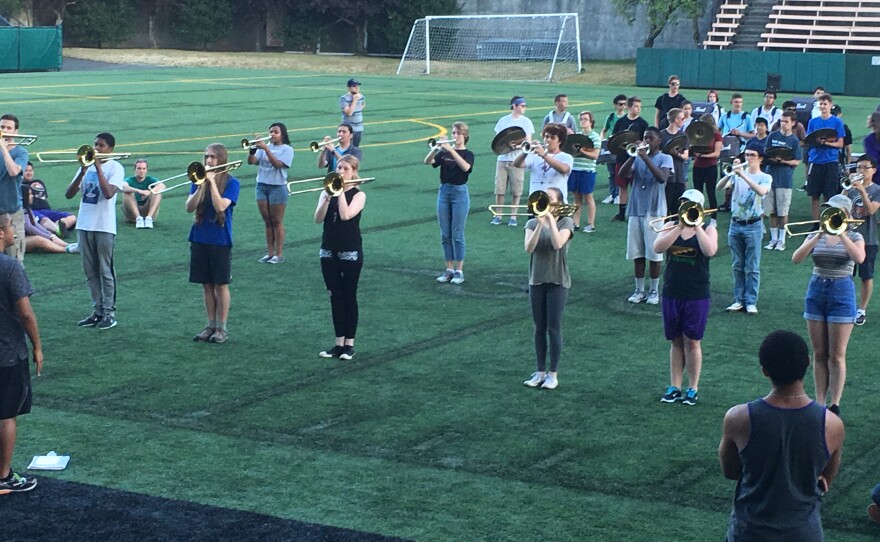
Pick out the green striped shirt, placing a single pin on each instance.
(581, 162)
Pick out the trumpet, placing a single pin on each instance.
(730, 169)
(332, 183)
(832, 221)
(538, 205)
(196, 172)
(847, 181)
(19, 139)
(633, 150)
(250, 143)
(316, 146)
(690, 213)
(437, 143)
(529, 148)
(85, 156)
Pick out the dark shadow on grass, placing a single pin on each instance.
(58, 510)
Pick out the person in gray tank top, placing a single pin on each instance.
(783, 450)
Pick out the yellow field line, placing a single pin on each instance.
(163, 82)
(55, 100)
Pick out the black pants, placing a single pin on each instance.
(548, 303)
(708, 177)
(341, 276)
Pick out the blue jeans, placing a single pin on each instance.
(613, 189)
(745, 248)
(453, 204)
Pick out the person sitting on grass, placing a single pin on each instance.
(37, 237)
(60, 222)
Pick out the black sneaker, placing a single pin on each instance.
(347, 352)
(331, 353)
(672, 395)
(835, 409)
(107, 322)
(90, 321)
(690, 397)
(16, 483)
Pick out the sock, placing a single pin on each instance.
(640, 284)
(622, 212)
(655, 284)
(774, 234)
(221, 325)
(212, 324)
(449, 270)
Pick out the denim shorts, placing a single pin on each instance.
(582, 182)
(275, 194)
(831, 300)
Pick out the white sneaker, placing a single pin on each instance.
(496, 221)
(550, 382)
(736, 306)
(637, 296)
(512, 222)
(616, 200)
(770, 246)
(780, 247)
(609, 199)
(751, 309)
(457, 277)
(535, 380)
(148, 223)
(446, 276)
(653, 298)
(139, 223)
(72, 248)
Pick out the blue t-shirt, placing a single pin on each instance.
(10, 186)
(207, 231)
(736, 121)
(825, 154)
(350, 151)
(781, 173)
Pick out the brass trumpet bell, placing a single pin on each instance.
(250, 143)
(332, 183)
(316, 146)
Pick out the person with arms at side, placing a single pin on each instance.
(342, 255)
(352, 104)
(761, 133)
(14, 162)
(865, 196)
(274, 160)
(706, 164)
(750, 185)
(830, 305)
(210, 237)
(546, 240)
(778, 201)
(96, 229)
(612, 118)
(453, 200)
(17, 324)
(823, 180)
(505, 173)
(845, 152)
(686, 298)
(717, 111)
(560, 114)
(331, 153)
(650, 170)
(769, 112)
(632, 122)
(677, 184)
(582, 180)
(783, 450)
(549, 166)
(670, 99)
(139, 205)
(737, 122)
(60, 222)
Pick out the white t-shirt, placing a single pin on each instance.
(771, 116)
(267, 174)
(97, 213)
(745, 203)
(506, 122)
(543, 176)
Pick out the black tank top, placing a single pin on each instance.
(341, 235)
(687, 270)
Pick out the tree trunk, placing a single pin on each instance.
(360, 30)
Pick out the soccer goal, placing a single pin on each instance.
(539, 47)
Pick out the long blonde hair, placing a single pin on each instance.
(219, 179)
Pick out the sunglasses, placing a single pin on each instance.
(674, 84)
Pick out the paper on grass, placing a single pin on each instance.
(50, 461)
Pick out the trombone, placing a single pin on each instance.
(250, 143)
(332, 183)
(435, 144)
(847, 181)
(832, 221)
(538, 205)
(316, 146)
(85, 156)
(19, 139)
(196, 172)
(690, 213)
(632, 150)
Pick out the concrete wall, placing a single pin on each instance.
(605, 35)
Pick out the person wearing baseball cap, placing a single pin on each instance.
(352, 105)
(830, 304)
(685, 299)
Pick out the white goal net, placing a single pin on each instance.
(507, 47)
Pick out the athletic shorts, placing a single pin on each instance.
(686, 317)
(275, 194)
(865, 270)
(622, 182)
(15, 390)
(823, 180)
(777, 202)
(505, 173)
(582, 182)
(640, 239)
(210, 264)
(54, 216)
(831, 300)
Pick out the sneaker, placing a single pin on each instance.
(457, 277)
(672, 395)
(860, 317)
(690, 397)
(107, 322)
(512, 222)
(446, 276)
(265, 259)
(616, 200)
(577, 227)
(609, 199)
(751, 309)
(770, 246)
(637, 296)
(496, 221)
(589, 228)
(535, 380)
(148, 223)
(90, 321)
(347, 352)
(874, 512)
(835, 409)
(736, 306)
(653, 298)
(219, 336)
(72, 248)
(205, 334)
(16, 483)
(275, 259)
(618, 218)
(139, 223)
(780, 246)
(550, 382)
(331, 353)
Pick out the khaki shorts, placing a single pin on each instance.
(640, 239)
(17, 249)
(505, 171)
(777, 202)
(142, 209)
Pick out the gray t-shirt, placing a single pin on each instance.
(14, 285)
(267, 174)
(356, 119)
(833, 262)
(868, 228)
(647, 196)
(550, 266)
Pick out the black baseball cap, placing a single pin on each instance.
(354, 83)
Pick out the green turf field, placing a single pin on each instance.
(428, 433)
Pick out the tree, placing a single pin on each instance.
(660, 13)
(200, 22)
(97, 22)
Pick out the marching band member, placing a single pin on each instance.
(667, 101)
(677, 184)
(546, 240)
(865, 196)
(717, 111)
(453, 200)
(823, 179)
(210, 261)
(273, 160)
(612, 118)
(560, 114)
(342, 255)
(14, 161)
(776, 206)
(632, 122)
(549, 166)
(706, 164)
(332, 152)
(582, 180)
(830, 305)
(504, 169)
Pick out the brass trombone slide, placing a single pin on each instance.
(249, 143)
(85, 156)
(19, 139)
(832, 221)
(196, 172)
(316, 146)
(332, 183)
(690, 213)
(538, 205)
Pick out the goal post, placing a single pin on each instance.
(529, 47)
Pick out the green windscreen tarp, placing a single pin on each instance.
(30, 48)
